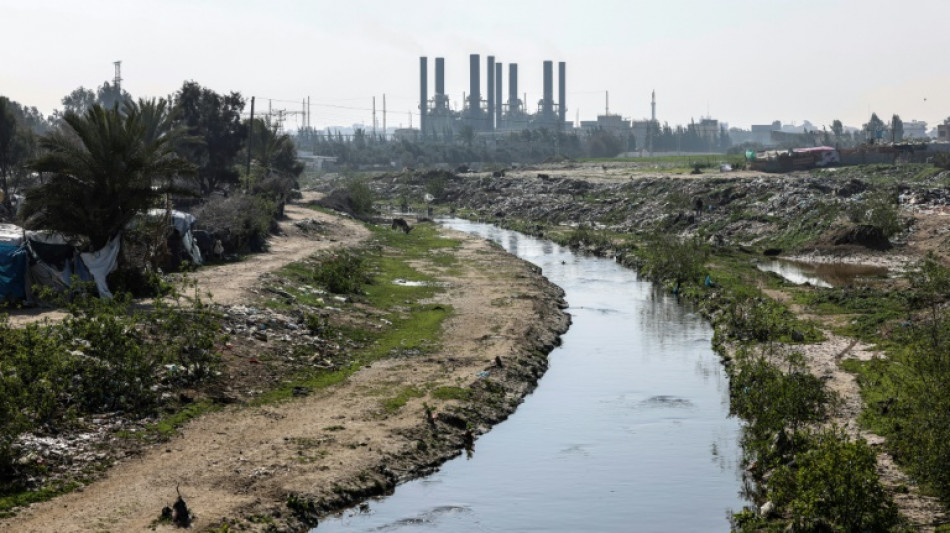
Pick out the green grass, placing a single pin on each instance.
(415, 327)
(13, 500)
(391, 405)
(451, 393)
(168, 425)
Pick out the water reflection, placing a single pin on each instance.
(628, 428)
(820, 274)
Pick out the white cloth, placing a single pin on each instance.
(101, 262)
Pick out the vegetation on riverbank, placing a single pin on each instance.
(700, 230)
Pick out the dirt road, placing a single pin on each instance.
(244, 463)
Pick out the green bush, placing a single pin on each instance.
(103, 356)
(241, 221)
(342, 273)
(361, 197)
(772, 399)
(586, 236)
(667, 258)
(834, 484)
(880, 209)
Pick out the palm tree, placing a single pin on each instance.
(104, 167)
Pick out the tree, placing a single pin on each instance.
(78, 101)
(106, 166)
(16, 145)
(897, 128)
(837, 128)
(874, 128)
(109, 95)
(216, 133)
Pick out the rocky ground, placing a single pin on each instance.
(279, 466)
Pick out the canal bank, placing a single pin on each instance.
(628, 429)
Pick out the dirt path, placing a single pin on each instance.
(823, 360)
(245, 462)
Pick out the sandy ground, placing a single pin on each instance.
(245, 461)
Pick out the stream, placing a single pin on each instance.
(628, 430)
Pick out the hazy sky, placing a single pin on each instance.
(741, 61)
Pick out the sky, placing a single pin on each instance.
(740, 61)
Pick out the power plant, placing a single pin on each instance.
(491, 114)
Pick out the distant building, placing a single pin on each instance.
(915, 129)
(406, 134)
(613, 123)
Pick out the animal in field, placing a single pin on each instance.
(399, 223)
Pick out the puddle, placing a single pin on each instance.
(820, 274)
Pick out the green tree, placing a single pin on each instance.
(897, 128)
(78, 101)
(837, 128)
(15, 146)
(105, 166)
(874, 129)
(216, 133)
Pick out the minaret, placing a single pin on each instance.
(653, 107)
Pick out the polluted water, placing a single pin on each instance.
(628, 430)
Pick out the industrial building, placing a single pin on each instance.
(492, 115)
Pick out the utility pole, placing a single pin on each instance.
(250, 141)
(374, 118)
(384, 116)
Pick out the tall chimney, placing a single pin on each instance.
(498, 94)
(423, 94)
(440, 76)
(489, 120)
(512, 87)
(561, 93)
(547, 104)
(474, 97)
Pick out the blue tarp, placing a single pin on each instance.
(13, 264)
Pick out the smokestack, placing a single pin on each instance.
(512, 87)
(489, 122)
(561, 92)
(474, 97)
(440, 76)
(423, 94)
(497, 94)
(547, 104)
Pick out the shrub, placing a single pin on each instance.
(584, 235)
(361, 197)
(879, 209)
(834, 483)
(241, 221)
(342, 273)
(666, 258)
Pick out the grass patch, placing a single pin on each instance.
(391, 405)
(9, 501)
(451, 393)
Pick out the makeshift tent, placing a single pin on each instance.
(13, 263)
(54, 260)
(183, 224)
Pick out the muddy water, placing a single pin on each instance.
(627, 431)
(820, 274)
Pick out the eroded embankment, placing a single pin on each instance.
(279, 466)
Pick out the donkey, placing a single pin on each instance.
(399, 223)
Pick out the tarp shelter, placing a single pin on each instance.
(54, 260)
(183, 224)
(14, 260)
